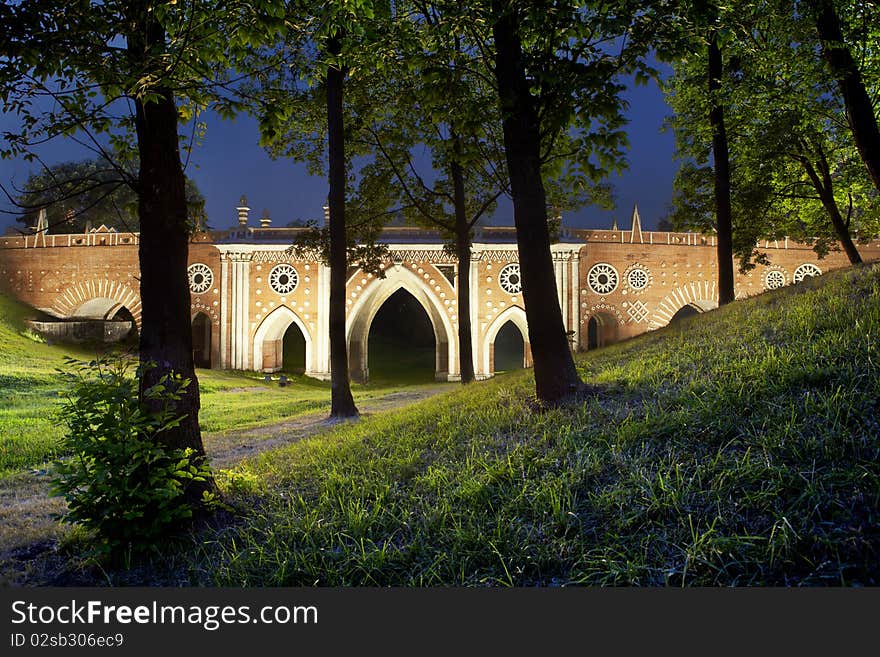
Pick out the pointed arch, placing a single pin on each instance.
(363, 311)
(200, 325)
(269, 336)
(516, 316)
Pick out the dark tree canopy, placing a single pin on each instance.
(83, 194)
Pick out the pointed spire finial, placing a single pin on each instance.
(614, 222)
(636, 226)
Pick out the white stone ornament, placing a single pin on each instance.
(200, 277)
(805, 270)
(509, 279)
(283, 279)
(774, 279)
(603, 278)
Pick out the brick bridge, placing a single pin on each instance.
(247, 291)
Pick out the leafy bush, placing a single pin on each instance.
(120, 480)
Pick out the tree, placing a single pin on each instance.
(555, 70)
(120, 77)
(303, 103)
(792, 152)
(439, 142)
(438, 101)
(837, 52)
(701, 92)
(87, 193)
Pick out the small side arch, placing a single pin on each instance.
(268, 338)
(516, 316)
(601, 330)
(201, 339)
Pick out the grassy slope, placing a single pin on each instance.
(738, 448)
(30, 385)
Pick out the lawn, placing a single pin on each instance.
(30, 389)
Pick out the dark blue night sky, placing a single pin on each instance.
(230, 163)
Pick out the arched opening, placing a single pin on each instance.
(104, 319)
(508, 349)
(401, 345)
(687, 310)
(362, 313)
(123, 315)
(201, 340)
(601, 330)
(279, 332)
(293, 350)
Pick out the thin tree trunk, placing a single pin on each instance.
(463, 252)
(555, 373)
(824, 186)
(166, 334)
(859, 109)
(724, 215)
(341, 400)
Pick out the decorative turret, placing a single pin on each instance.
(265, 220)
(614, 223)
(243, 210)
(636, 235)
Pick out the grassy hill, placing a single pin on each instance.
(31, 387)
(739, 447)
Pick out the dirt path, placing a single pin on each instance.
(29, 532)
(230, 447)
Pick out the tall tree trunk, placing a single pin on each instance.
(859, 109)
(824, 186)
(341, 400)
(463, 252)
(723, 213)
(166, 334)
(555, 373)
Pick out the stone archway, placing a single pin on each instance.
(201, 340)
(601, 330)
(100, 299)
(701, 296)
(269, 340)
(516, 316)
(361, 315)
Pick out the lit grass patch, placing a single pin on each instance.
(741, 447)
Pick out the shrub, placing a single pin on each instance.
(120, 480)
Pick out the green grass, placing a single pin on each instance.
(741, 447)
(30, 389)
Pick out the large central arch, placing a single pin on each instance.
(362, 313)
(268, 356)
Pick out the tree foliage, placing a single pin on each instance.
(792, 152)
(88, 193)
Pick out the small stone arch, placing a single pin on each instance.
(268, 338)
(701, 295)
(100, 299)
(363, 311)
(601, 329)
(200, 324)
(516, 316)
